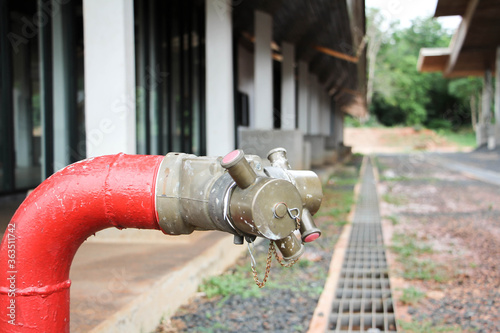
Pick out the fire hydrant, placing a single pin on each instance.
(178, 193)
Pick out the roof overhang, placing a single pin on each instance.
(474, 45)
(328, 35)
(450, 8)
(433, 59)
(436, 59)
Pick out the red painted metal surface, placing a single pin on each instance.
(51, 224)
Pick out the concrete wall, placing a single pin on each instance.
(219, 78)
(497, 99)
(303, 97)
(263, 72)
(314, 106)
(260, 142)
(288, 98)
(110, 121)
(246, 78)
(317, 143)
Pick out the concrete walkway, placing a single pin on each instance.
(481, 164)
(129, 287)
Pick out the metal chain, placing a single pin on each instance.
(270, 252)
(281, 261)
(268, 268)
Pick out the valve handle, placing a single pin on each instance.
(277, 157)
(308, 228)
(239, 168)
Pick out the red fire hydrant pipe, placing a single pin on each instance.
(51, 224)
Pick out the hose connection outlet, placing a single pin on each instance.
(236, 194)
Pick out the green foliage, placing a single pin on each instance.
(335, 212)
(407, 245)
(380, 166)
(423, 269)
(217, 327)
(395, 179)
(230, 284)
(437, 124)
(426, 327)
(393, 218)
(341, 223)
(464, 137)
(350, 121)
(409, 248)
(401, 94)
(467, 91)
(411, 296)
(342, 202)
(396, 200)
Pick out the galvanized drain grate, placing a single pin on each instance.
(363, 301)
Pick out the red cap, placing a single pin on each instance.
(311, 237)
(231, 157)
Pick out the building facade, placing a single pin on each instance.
(83, 78)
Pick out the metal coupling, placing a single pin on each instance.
(235, 194)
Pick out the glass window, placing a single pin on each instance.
(169, 53)
(26, 101)
(23, 97)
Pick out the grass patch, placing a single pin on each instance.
(335, 212)
(393, 218)
(407, 245)
(336, 203)
(342, 181)
(408, 248)
(395, 179)
(216, 327)
(412, 296)
(381, 168)
(462, 137)
(229, 284)
(394, 199)
(341, 223)
(426, 327)
(425, 270)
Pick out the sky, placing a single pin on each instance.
(407, 10)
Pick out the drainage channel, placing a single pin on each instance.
(363, 300)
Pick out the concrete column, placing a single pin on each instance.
(219, 78)
(110, 120)
(263, 71)
(245, 78)
(62, 86)
(325, 113)
(341, 127)
(338, 127)
(303, 98)
(482, 130)
(497, 98)
(314, 106)
(21, 97)
(288, 87)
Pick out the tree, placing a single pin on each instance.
(375, 35)
(467, 91)
(402, 95)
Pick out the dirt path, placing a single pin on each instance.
(445, 249)
(396, 140)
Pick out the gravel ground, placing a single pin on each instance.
(285, 305)
(287, 302)
(458, 219)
